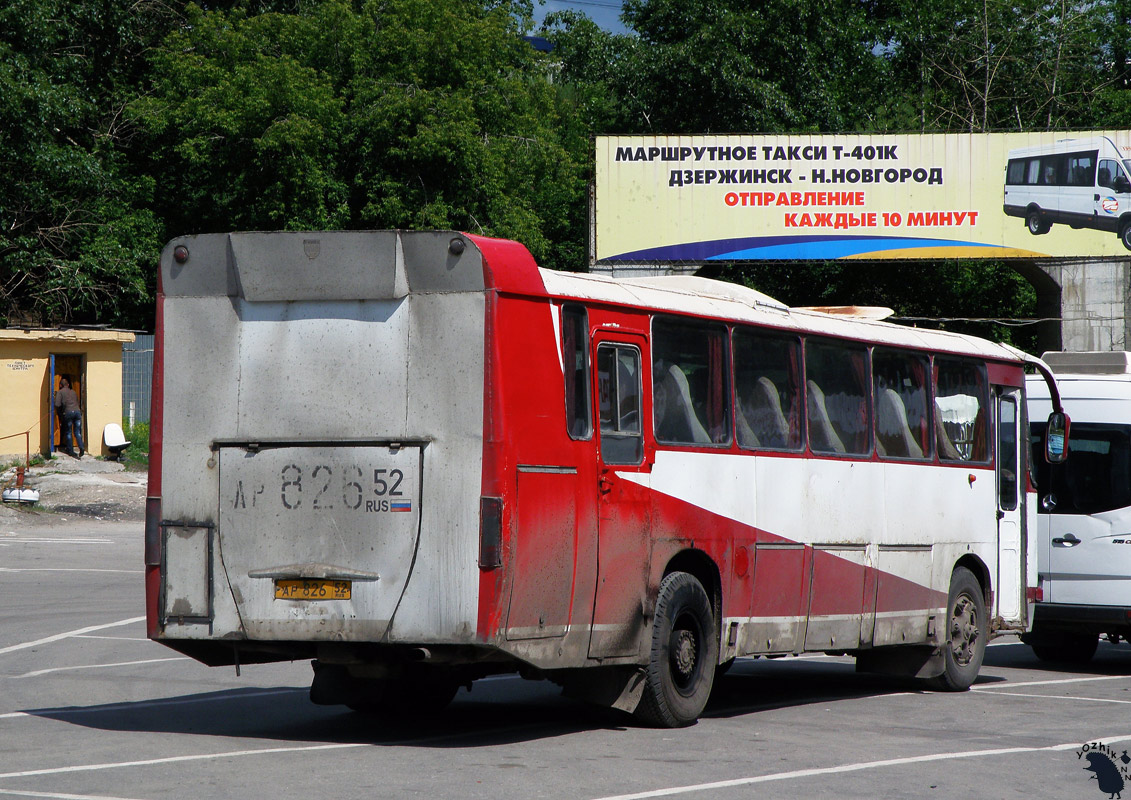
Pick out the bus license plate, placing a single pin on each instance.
(312, 590)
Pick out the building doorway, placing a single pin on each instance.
(73, 367)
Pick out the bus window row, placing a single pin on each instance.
(779, 392)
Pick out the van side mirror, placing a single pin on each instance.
(1122, 185)
(1056, 437)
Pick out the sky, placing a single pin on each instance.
(606, 13)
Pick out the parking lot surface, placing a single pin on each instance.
(89, 708)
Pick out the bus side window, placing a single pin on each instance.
(960, 411)
(690, 390)
(767, 384)
(900, 393)
(1081, 169)
(575, 359)
(618, 392)
(837, 398)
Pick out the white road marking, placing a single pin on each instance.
(45, 540)
(77, 569)
(1059, 697)
(265, 751)
(67, 712)
(113, 638)
(39, 672)
(58, 796)
(1008, 685)
(866, 765)
(779, 776)
(59, 636)
(180, 759)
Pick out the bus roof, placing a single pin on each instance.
(720, 300)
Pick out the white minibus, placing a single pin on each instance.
(1084, 508)
(1083, 183)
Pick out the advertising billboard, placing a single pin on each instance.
(843, 196)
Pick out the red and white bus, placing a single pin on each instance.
(417, 459)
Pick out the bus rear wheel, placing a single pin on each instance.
(404, 696)
(685, 652)
(1036, 223)
(966, 632)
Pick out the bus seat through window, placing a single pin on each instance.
(893, 433)
(947, 450)
(765, 415)
(679, 404)
(746, 435)
(822, 437)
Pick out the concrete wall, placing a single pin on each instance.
(25, 385)
(1094, 302)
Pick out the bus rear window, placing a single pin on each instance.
(1097, 475)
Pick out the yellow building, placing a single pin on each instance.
(31, 364)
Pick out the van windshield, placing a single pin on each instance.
(1096, 476)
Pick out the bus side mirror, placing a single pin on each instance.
(1056, 438)
(1122, 185)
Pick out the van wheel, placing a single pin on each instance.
(1036, 223)
(685, 652)
(1065, 648)
(966, 632)
(1125, 234)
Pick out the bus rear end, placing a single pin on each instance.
(317, 441)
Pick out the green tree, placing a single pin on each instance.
(703, 66)
(983, 65)
(76, 236)
(399, 113)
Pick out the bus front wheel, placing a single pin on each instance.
(685, 652)
(1036, 223)
(966, 632)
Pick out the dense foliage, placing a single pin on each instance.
(122, 125)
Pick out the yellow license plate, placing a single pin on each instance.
(312, 590)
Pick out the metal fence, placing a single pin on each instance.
(137, 378)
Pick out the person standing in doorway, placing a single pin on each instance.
(70, 417)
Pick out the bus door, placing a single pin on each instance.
(624, 523)
(1010, 506)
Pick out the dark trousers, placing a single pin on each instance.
(72, 422)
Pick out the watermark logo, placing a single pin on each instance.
(1111, 770)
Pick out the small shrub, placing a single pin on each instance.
(136, 456)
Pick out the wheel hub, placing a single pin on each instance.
(964, 631)
(683, 652)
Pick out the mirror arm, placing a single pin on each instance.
(1046, 373)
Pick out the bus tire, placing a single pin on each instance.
(1036, 223)
(684, 654)
(966, 633)
(1065, 648)
(1125, 234)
